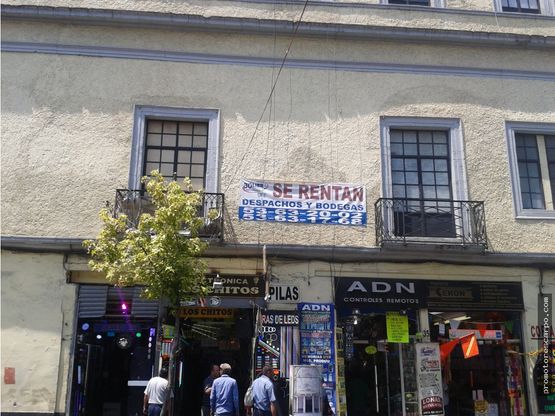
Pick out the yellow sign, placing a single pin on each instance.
(397, 327)
(371, 350)
(206, 313)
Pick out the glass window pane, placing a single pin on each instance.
(425, 137)
(201, 141)
(412, 178)
(411, 165)
(153, 139)
(524, 186)
(413, 192)
(440, 150)
(535, 186)
(154, 126)
(533, 170)
(396, 149)
(442, 178)
(185, 128)
(197, 171)
(537, 201)
(185, 141)
(396, 136)
(153, 155)
(521, 152)
(443, 192)
(409, 136)
(522, 169)
(429, 192)
(170, 127)
(410, 149)
(396, 164)
(168, 155)
(150, 167)
(201, 129)
(526, 201)
(197, 183)
(168, 140)
(197, 157)
(428, 178)
(441, 165)
(398, 191)
(440, 137)
(183, 170)
(427, 165)
(426, 150)
(166, 169)
(184, 156)
(398, 178)
(532, 153)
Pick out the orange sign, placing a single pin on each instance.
(206, 313)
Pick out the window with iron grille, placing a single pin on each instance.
(177, 149)
(424, 180)
(532, 162)
(521, 6)
(177, 142)
(420, 178)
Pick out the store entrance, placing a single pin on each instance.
(212, 341)
(374, 374)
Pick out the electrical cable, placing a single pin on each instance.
(269, 97)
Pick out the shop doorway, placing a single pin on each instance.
(208, 341)
(375, 377)
(113, 363)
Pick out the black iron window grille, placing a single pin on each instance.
(177, 149)
(133, 203)
(453, 222)
(521, 6)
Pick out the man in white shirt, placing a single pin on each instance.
(156, 394)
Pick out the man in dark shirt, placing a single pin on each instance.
(207, 388)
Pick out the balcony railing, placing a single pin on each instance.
(133, 203)
(430, 221)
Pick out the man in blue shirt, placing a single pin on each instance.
(263, 397)
(224, 397)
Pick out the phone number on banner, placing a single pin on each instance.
(303, 216)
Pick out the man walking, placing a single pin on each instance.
(263, 397)
(224, 397)
(207, 387)
(156, 394)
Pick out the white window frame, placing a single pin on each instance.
(457, 159)
(142, 113)
(513, 127)
(433, 3)
(546, 8)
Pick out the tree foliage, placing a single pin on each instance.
(162, 251)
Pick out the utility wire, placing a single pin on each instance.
(269, 97)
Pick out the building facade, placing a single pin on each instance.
(381, 161)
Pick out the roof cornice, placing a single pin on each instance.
(334, 254)
(169, 21)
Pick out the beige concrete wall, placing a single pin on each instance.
(64, 153)
(453, 17)
(37, 327)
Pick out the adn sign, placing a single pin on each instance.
(307, 203)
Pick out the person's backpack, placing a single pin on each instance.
(248, 397)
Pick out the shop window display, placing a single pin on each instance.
(492, 382)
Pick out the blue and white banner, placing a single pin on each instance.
(306, 203)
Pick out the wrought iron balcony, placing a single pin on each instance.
(430, 221)
(133, 203)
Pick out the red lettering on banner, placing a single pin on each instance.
(346, 194)
(287, 189)
(336, 190)
(277, 190)
(303, 191)
(324, 192)
(357, 194)
(314, 192)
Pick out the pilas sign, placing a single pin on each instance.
(284, 293)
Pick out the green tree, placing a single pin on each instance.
(160, 252)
